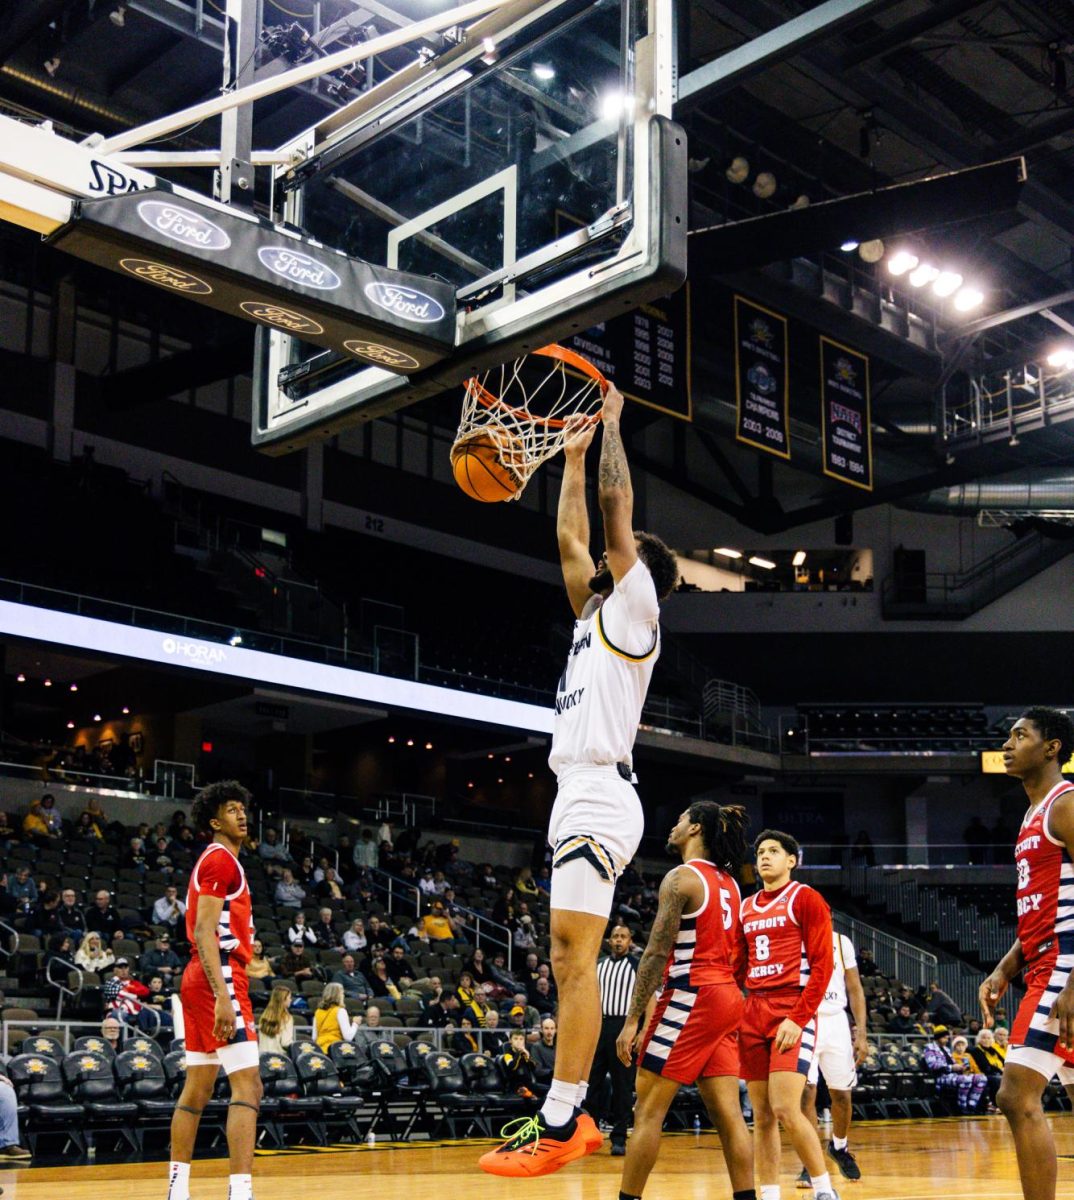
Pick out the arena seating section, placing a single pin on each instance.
(955, 728)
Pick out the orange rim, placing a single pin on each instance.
(569, 358)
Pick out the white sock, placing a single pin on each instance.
(770, 1191)
(558, 1107)
(821, 1183)
(579, 1096)
(839, 1143)
(179, 1181)
(240, 1187)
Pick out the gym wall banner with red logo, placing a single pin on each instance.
(845, 422)
(761, 379)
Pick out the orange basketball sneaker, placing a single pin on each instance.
(533, 1148)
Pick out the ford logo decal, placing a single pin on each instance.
(299, 268)
(182, 225)
(284, 318)
(166, 276)
(387, 356)
(405, 302)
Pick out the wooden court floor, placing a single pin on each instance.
(900, 1160)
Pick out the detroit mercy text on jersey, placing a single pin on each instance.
(707, 944)
(601, 693)
(1045, 896)
(219, 873)
(774, 937)
(835, 995)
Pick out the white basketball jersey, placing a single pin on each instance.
(835, 997)
(601, 693)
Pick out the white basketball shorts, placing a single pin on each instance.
(594, 831)
(834, 1054)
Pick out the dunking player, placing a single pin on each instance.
(1042, 1038)
(788, 932)
(695, 952)
(597, 822)
(838, 1053)
(218, 1020)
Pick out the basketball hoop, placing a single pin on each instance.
(522, 408)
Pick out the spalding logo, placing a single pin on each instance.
(299, 268)
(284, 318)
(404, 302)
(387, 356)
(165, 276)
(182, 225)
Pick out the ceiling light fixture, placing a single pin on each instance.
(70, 724)
(799, 558)
(1062, 357)
(849, 245)
(544, 73)
(96, 716)
(20, 678)
(923, 274)
(46, 683)
(738, 169)
(235, 639)
(728, 553)
(947, 283)
(755, 561)
(126, 711)
(74, 687)
(764, 186)
(902, 261)
(871, 251)
(969, 298)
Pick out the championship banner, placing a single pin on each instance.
(845, 427)
(761, 379)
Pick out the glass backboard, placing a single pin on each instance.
(531, 163)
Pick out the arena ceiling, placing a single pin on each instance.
(898, 92)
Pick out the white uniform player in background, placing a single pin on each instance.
(597, 820)
(839, 1053)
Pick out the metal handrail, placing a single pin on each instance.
(9, 951)
(64, 990)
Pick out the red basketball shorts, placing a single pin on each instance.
(1034, 1041)
(199, 1007)
(757, 1038)
(694, 1033)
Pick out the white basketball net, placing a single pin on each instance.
(523, 407)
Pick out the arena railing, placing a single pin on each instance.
(896, 959)
(62, 986)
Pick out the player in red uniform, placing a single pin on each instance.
(692, 1035)
(787, 928)
(218, 1021)
(1042, 1039)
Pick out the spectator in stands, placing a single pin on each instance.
(1002, 1035)
(862, 850)
(523, 1017)
(44, 918)
(354, 939)
(295, 965)
(517, 1065)
(903, 1021)
(124, 997)
(51, 815)
(493, 1037)
(260, 966)
(381, 984)
(181, 847)
(989, 1062)
(524, 936)
(289, 893)
(915, 1001)
(365, 851)
(96, 814)
(544, 1001)
(177, 823)
(544, 1051)
(305, 873)
(92, 955)
(134, 857)
(544, 881)
(273, 853)
(72, 919)
(952, 1079)
(159, 859)
(379, 931)
(8, 833)
(440, 1008)
(324, 931)
(276, 1028)
(112, 1032)
(941, 1009)
(425, 884)
(10, 1149)
(85, 830)
(163, 961)
(299, 931)
(157, 1001)
(463, 1040)
(104, 918)
(398, 965)
(1001, 1022)
(354, 984)
(61, 949)
(331, 1022)
(503, 911)
(330, 889)
(470, 998)
(23, 889)
(436, 926)
(867, 967)
(34, 826)
(168, 909)
(370, 1031)
(487, 876)
(524, 884)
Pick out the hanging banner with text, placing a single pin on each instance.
(761, 378)
(844, 414)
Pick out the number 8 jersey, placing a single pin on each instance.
(780, 928)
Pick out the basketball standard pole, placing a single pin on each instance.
(300, 74)
(236, 177)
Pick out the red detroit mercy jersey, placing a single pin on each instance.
(218, 873)
(707, 943)
(1045, 895)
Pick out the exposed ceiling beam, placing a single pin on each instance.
(897, 36)
(1014, 314)
(771, 45)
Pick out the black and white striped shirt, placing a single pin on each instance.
(615, 976)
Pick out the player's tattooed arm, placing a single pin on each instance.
(674, 897)
(614, 490)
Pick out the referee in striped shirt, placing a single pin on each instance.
(615, 976)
